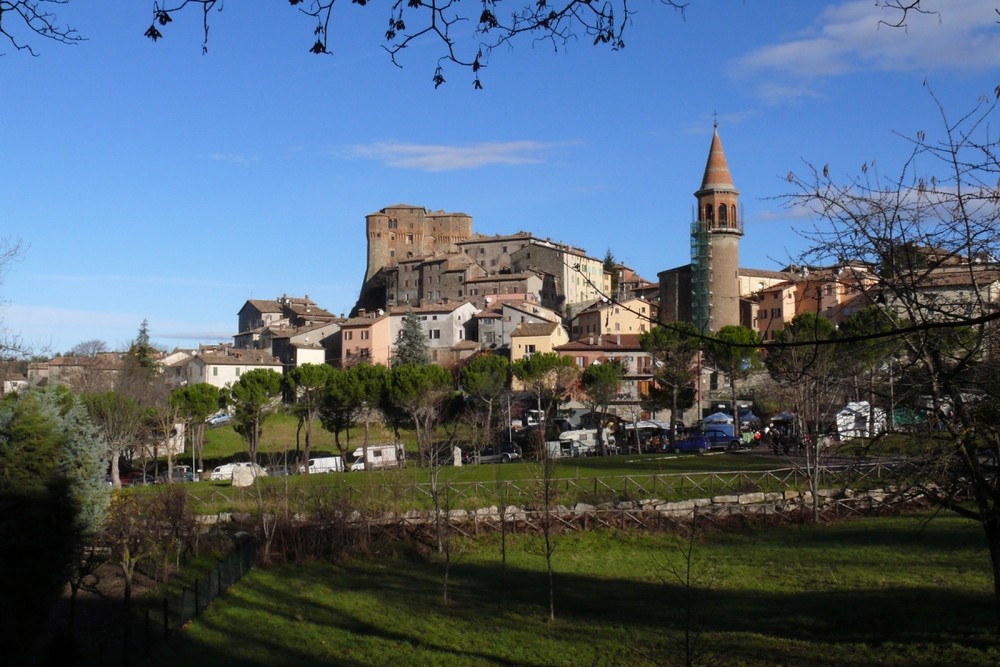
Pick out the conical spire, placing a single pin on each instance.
(717, 176)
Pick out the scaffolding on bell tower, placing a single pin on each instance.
(701, 275)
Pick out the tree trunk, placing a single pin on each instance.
(991, 526)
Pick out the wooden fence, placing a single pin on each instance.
(397, 493)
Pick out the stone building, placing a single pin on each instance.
(402, 232)
(572, 280)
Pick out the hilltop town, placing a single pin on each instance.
(519, 294)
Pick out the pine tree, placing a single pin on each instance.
(141, 353)
(411, 346)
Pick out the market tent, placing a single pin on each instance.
(783, 418)
(718, 418)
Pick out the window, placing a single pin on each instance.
(392, 253)
(363, 352)
(434, 334)
(348, 335)
(215, 371)
(723, 217)
(237, 371)
(529, 349)
(393, 223)
(409, 239)
(364, 334)
(709, 213)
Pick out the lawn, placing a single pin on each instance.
(592, 480)
(888, 591)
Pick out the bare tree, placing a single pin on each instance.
(20, 19)
(932, 234)
(446, 23)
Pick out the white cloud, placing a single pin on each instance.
(428, 157)
(848, 37)
(234, 158)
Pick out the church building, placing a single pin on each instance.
(713, 291)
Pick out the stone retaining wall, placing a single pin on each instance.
(745, 504)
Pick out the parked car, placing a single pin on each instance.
(181, 473)
(721, 439)
(695, 442)
(502, 453)
(225, 471)
(135, 477)
(219, 419)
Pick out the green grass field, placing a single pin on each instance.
(887, 591)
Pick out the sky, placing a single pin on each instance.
(154, 182)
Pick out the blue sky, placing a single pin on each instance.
(153, 182)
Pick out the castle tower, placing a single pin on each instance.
(715, 245)
(403, 232)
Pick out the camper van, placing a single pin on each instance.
(583, 442)
(379, 457)
(323, 464)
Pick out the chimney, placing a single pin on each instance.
(600, 340)
(591, 341)
(618, 339)
(362, 312)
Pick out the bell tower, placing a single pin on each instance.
(715, 245)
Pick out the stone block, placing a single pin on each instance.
(751, 498)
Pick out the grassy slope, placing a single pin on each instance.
(878, 591)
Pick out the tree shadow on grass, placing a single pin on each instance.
(394, 608)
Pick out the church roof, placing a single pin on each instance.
(717, 176)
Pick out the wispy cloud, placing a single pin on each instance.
(848, 37)
(430, 157)
(234, 158)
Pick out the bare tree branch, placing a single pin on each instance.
(33, 16)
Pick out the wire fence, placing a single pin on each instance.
(154, 620)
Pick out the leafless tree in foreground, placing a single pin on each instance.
(931, 235)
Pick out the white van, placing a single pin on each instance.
(225, 471)
(323, 464)
(379, 457)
